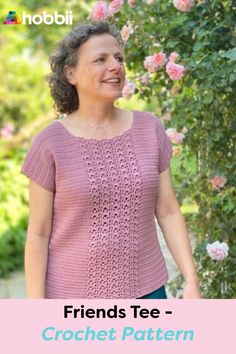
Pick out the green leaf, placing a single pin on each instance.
(208, 98)
(230, 54)
(232, 77)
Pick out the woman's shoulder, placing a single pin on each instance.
(146, 114)
(148, 118)
(150, 125)
(48, 135)
(49, 130)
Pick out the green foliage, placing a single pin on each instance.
(13, 213)
(203, 102)
(24, 93)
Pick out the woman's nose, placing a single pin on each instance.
(114, 64)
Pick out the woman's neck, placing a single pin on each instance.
(97, 114)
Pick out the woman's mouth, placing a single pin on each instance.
(113, 81)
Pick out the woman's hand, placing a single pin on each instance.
(191, 290)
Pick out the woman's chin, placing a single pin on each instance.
(114, 96)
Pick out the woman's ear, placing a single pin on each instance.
(69, 72)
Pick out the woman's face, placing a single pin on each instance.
(100, 72)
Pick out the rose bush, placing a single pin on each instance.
(182, 56)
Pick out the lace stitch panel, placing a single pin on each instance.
(115, 195)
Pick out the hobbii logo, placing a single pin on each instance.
(47, 19)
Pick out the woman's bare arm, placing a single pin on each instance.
(175, 232)
(38, 233)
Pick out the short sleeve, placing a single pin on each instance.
(165, 147)
(39, 164)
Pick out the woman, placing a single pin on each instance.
(98, 178)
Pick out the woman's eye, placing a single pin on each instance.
(120, 60)
(100, 60)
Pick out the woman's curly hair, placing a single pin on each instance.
(66, 53)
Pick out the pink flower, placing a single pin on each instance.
(175, 71)
(218, 182)
(132, 3)
(183, 5)
(128, 89)
(160, 58)
(100, 12)
(7, 131)
(115, 6)
(174, 136)
(150, 64)
(125, 32)
(145, 79)
(217, 250)
(9, 127)
(173, 56)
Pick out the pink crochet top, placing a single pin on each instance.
(103, 242)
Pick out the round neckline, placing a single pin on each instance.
(99, 140)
